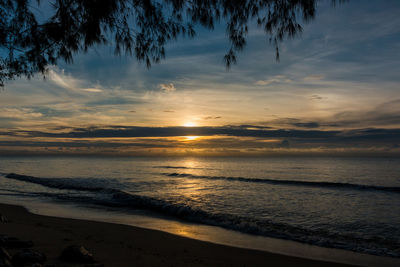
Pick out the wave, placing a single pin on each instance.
(85, 184)
(320, 184)
(120, 199)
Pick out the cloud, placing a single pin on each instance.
(314, 77)
(83, 143)
(137, 131)
(306, 124)
(92, 90)
(114, 101)
(249, 126)
(135, 139)
(10, 117)
(296, 138)
(58, 77)
(316, 97)
(284, 144)
(298, 123)
(212, 117)
(274, 79)
(384, 115)
(167, 87)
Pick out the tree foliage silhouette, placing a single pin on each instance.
(29, 44)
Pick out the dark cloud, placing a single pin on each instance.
(376, 135)
(87, 144)
(316, 97)
(375, 118)
(306, 124)
(297, 123)
(360, 135)
(61, 128)
(135, 131)
(212, 118)
(284, 144)
(114, 101)
(7, 133)
(112, 139)
(50, 112)
(250, 126)
(385, 115)
(6, 122)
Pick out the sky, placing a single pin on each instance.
(335, 90)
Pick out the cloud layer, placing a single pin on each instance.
(226, 140)
(335, 88)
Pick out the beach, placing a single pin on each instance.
(256, 210)
(121, 245)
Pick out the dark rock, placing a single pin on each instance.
(5, 263)
(77, 253)
(27, 257)
(4, 254)
(13, 242)
(3, 219)
(5, 258)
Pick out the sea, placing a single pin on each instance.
(347, 203)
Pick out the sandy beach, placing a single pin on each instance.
(120, 245)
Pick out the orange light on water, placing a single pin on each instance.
(191, 138)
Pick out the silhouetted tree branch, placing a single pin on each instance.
(134, 27)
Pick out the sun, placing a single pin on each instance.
(189, 124)
(191, 138)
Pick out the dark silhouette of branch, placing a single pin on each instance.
(134, 27)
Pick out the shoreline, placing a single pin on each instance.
(122, 245)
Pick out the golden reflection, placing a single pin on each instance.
(184, 230)
(195, 166)
(191, 138)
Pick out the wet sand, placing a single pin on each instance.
(121, 245)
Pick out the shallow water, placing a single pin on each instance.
(349, 203)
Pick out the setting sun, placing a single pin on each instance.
(189, 124)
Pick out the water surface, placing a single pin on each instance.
(348, 203)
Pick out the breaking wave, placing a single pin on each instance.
(319, 184)
(120, 199)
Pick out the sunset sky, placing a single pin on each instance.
(336, 89)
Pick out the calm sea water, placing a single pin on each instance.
(348, 203)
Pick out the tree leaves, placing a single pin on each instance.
(133, 27)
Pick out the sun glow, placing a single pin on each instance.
(189, 124)
(191, 138)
